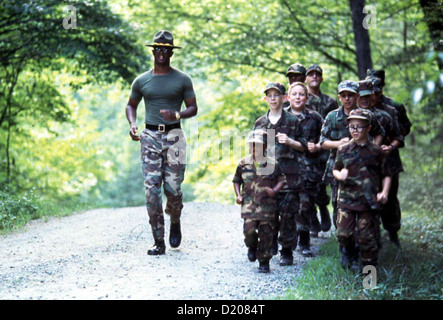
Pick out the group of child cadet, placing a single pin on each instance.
(303, 143)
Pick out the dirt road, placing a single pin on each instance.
(101, 254)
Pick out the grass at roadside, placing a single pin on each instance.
(413, 272)
(17, 209)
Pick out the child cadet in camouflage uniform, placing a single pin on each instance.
(311, 122)
(391, 211)
(314, 79)
(260, 178)
(389, 121)
(403, 120)
(297, 73)
(289, 145)
(335, 132)
(364, 181)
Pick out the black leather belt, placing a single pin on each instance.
(163, 127)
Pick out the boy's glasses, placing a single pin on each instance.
(162, 49)
(357, 128)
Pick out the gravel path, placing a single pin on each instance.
(101, 254)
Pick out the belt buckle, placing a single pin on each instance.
(161, 128)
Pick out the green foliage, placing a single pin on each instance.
(410, 273)
(16, 208)
(34, 47)
(421, 185)
(33, 33)
(63, 129)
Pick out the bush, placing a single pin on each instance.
(16, 208)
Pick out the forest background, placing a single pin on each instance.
(66, 76)
(66, 69)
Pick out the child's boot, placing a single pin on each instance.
(264, 266)
(286, 258)
(252, 254)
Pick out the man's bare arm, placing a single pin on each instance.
(131, 115)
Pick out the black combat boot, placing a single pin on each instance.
(304, 244)
(175, 235)
(286, 258)
(349, 259)
(252, 254)
(158, 248)
(393, 237)
(325, 219)
(263, 266)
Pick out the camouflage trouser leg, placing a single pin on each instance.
(288, 207)
(334, 194)
(163, 161)
(321, 198)
(259, 234)
(390, 212)
(307, 209)
(367, 229)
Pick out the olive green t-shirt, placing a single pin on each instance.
(166, 91)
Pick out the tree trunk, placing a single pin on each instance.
(361, 37)
(8, 141)
(433, 11)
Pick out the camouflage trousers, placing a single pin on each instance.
(391, 212)
(288, 203)
(321, 197)
(312, 194)
(163, 157)
(259, 234)
(307, 210)
(367, 226)
(334, 195)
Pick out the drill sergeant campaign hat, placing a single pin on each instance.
(348, 85)
(365, 87)
(163, 38)
(359, 114)
(314, 67)
(296, 68)
(275, 85)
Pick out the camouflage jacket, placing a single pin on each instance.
(322, 103)
(403, 120)
(290, 160)
(387, 117)
(253, 179)
(367, 167)
(336, 127)
(311, 122)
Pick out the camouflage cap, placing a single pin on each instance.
(314, 67)
(348, 85)
(275, 85)
(365, 87)
(296, 68)
(257, 136)
(359, 114)
(377, 84)
(378, 74)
